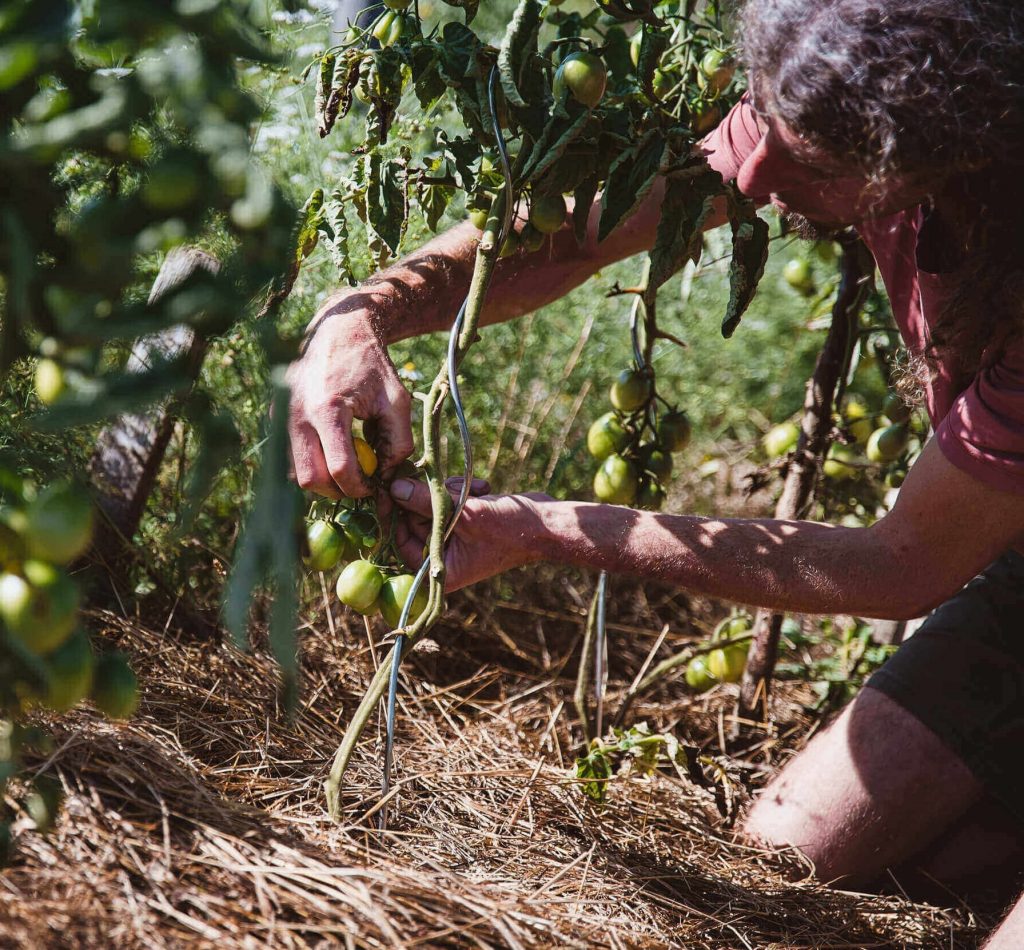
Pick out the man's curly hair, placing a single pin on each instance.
(929, 91)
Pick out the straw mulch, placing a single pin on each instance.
(201, 822)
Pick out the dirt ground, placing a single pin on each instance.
(201, 822)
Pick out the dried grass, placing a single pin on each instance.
(201, 822)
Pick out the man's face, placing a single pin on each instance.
(816, 194)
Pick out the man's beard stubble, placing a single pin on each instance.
(808, 230)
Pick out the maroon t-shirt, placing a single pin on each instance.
(980, 428)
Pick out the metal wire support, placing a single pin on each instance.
(600, 640)
(467, 452)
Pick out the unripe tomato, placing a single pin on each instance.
(115, 688)
(888, 444)
(584, 76)
(59, 523)
(650, 495)
(606, 436)
(837, 462)
(732, 626)
(663, 82)
(365, 455)
(895, 477)
(704, 116)
(895, 409)
(674, 431)
(531, 240)
(397, 5)
(780, 439)
(49, 381)
(547, 213)
(510, 246)
(327, 546)
(658, 463)
(359, 585)
(717, 69)
(360, 529)
(727, 664)
(630, 391)
(479, 217)
(634, 47)
(860, 429)
(69, 672)
(39, 608)
(393, 596)
(698, 676)
(389, 28)
(616, 481)
(797, 273)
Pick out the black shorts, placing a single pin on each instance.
(962, 675)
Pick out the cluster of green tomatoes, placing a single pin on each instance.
(724, 664)
(47, 658)
(634, 444)
(879, 436)
(352, 542)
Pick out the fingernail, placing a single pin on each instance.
(401, 489)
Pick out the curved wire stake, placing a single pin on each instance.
(600, 654)
(467, 479)
(600, 640)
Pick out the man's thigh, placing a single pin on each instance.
(941, 724)
(874, 788)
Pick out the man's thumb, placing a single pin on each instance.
(411, 495)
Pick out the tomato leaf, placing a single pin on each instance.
(334, 228)
(386, 200)
(749, 253)
(653, 44)
(630, 178)
(517, 48)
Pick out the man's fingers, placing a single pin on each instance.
(310, 468)
(479, 487)
(335, 429)
(411, 495)
(394, 430)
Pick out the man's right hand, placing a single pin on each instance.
(344, 373)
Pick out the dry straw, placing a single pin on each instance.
(201, 822)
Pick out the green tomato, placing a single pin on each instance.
(895, 477)
(797, 273)
(40, 608)
(582, 75)
(674, 431)
(360, 529)
(359, 585)
(704, 116)
(393, 596)
(389, 28)
(732, 626)
(616, 481)
(860, 429)
(606, 436)
(658, 463)
(780, 439)
(327, 546)
(479, 217)
(115, 688)
(59, 523)
(698, 676)
(837, 463)
(69, 672)
(717, 70)
(634, 47)
(397, 5)
(650, 495)
(630, 391)
(888, 444)
(895, 409)
(531, 239)
(547, 213)
(511, 245)
(663, 83)
(727, 664)
(49, 381)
